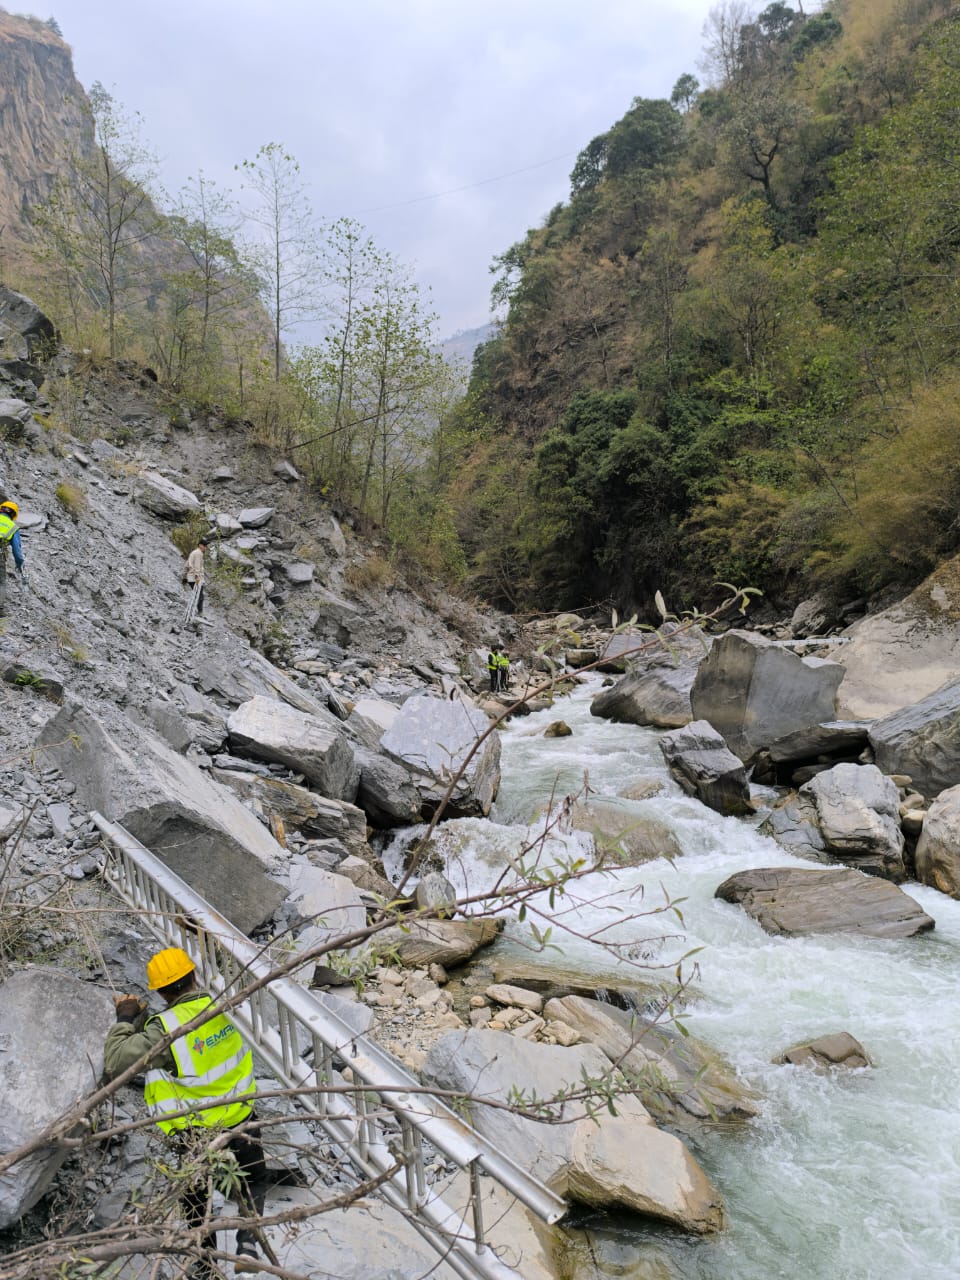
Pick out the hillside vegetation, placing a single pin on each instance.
(732, 353)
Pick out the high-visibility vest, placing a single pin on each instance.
(8, 528)
(503, 662)
(492, 662)
(214, 1065)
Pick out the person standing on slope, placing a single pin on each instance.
(193, 572)
(9, 536)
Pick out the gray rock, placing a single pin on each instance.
(659, 696)
(858, 816)
(828, 1052)
(286, 471)
(197, 827)
(41, 1012)
(371, 718)
(300, 572)
(387, 793)
(433, 737)
(755, 692)
(682, 1081)
(24, 329)
(315, 745)
(937, 856)
(606, 1161)
(256, 517)
(222, 474)
(699, 759)
(329, 903)
(226, 525)
(795, 902)
(814, 617)
(421, 943)
(793, 824)
(14, 416)
(436, 893)
(923, 740)
(835, 738)
(164, 498)
(318, 817)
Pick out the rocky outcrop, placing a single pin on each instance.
(756, 692)
(604, 1161)
(702, 763)
(795, 902)
(198, 828)
(433, 738)
(52, 1029)
(165, 498)
(315, 745)
(318, 817)
(923, 740)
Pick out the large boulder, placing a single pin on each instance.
(937, 856)
(371, 718)
(795, 902)
(681, 1080)
(434, 739)
(899, 656)
(606, 1161)
(703, 764)
(386, 793)
(164, 498)
(755, 692)
(328, 903)
(826, 1053)
(659, 697)
(52, 1029)
(197, 827)
(923, 740)
(24, 329)
(313, 744)
(858, 814)
(299, 809)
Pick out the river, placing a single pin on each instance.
(853, 1176)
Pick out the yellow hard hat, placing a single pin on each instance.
(10, 506)
(168, 966)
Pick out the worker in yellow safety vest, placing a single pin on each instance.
(9, 537)
(211, 1068)
(503, 669)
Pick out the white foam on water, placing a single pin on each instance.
(854, 1176)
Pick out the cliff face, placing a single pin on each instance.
(41, 111)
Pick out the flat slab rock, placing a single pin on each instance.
(795, 902)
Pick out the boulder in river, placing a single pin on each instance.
(937, 856)
(826, 1052)
(795, 902)
(313, 744)
(606, 1161)
(627, 837)
(703, 764)
(756, 692)
(923, 740)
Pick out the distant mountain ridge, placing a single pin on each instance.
(459, 348)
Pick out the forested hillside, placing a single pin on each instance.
(732, 353)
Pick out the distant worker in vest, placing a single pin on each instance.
(493, 668)
(210, 1067)
(193, 572)
(503, 670)
(9, 537)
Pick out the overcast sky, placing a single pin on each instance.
(384, 102)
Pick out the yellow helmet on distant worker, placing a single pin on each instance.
(11, 507)
(168, 966)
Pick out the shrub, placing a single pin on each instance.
(72, 499)
(373, 572)
(185, 536)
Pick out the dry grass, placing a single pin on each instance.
(72, 499)
(368, 574)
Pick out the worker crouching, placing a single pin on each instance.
(210, 1068)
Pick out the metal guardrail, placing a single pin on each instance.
(282, 1017)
